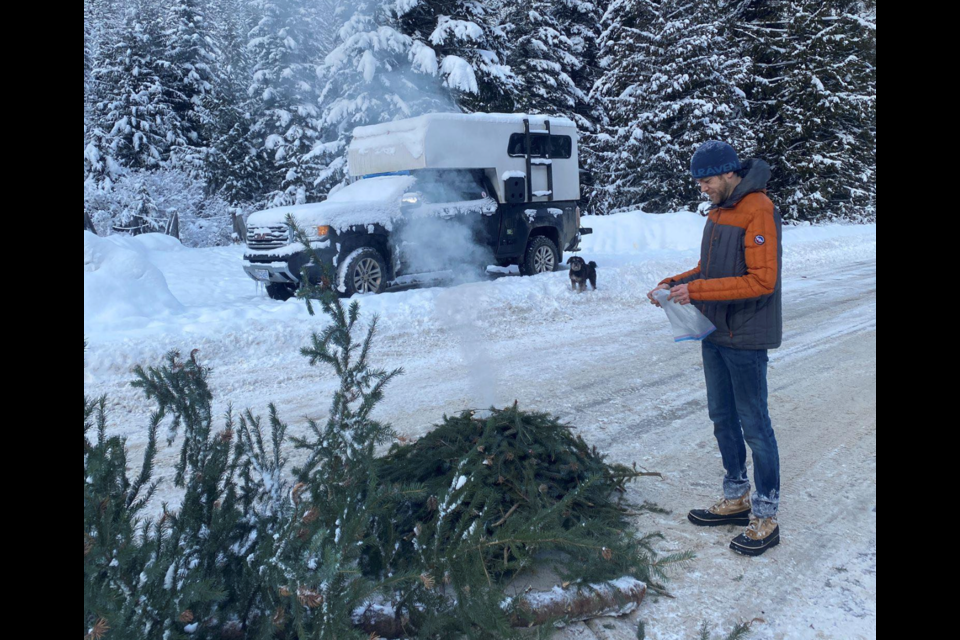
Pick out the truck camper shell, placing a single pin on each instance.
(494, 142)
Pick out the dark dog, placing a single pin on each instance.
(581, 272)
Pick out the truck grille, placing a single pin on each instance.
(274, 237)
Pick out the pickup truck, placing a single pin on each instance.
(431, 197)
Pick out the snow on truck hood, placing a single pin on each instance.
(366, 201)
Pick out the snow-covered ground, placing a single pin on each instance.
(603, 361)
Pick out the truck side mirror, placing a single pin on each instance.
(411, 199)
(515, 190)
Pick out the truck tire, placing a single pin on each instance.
(364, 272)
(541, 256)
(280, 291)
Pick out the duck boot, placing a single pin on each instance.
(761, 534)
(736, 511)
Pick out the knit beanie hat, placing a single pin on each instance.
(713, 158)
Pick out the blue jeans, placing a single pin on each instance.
(737, 402)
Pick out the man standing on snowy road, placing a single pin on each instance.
(737, 286)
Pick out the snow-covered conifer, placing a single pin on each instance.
(816, 104)
(376, 74)
(235, 165)
(466, 42)
(132, 111)
(187, 71)
(283, 87)
(549, 48)
(673, 79)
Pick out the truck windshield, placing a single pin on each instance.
(379, 189)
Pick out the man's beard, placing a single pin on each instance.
(728, 188)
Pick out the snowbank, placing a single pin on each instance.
(635, 232)
(131, 314)
(121, 287)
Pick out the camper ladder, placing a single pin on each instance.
(545, 161)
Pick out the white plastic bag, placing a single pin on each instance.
(687, 321)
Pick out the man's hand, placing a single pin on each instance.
(653, 300)
(680, 293)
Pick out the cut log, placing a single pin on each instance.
(582, 602)
(574, 603)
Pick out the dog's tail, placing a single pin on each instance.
(592, 264)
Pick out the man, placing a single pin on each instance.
(737, 286)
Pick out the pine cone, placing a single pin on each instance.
(284, 592)
(311, 515)
(309, 599)
(607, 554)
(296, 491)
(186, 617)
(98, 630)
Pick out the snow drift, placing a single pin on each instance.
(121, 287)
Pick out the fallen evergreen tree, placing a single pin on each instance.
(424, 540)
(482, 498)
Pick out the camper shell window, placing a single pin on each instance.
(561, 147)
(451, 185)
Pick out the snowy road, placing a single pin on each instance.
(821, 581)
(604, 362)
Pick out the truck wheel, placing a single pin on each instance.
(280, 291)
(541, 257)
(365, 272)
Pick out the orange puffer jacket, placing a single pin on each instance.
(737, 282)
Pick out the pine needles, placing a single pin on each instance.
(491, 496)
